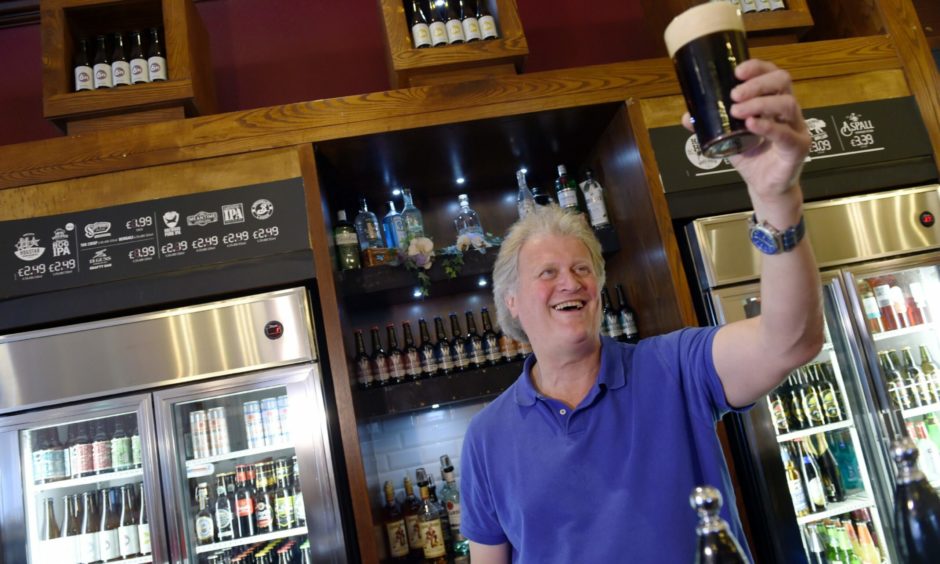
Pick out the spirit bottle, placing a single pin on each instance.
(467, 222)
(450, 497)
(414, 222)
(347, 244)
(431, 530)
(567, 191)
(410, 509)
(524, 200)
(394, 526)
(394, 225)
(594, 200)
(367, 227)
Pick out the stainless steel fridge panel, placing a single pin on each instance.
(132, 353)
(843, 231)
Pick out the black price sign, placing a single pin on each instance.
(132, 240)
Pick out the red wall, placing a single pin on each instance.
(270, 52)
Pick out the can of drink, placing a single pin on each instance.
(218, 431)
(200, 433)
(282, 418)
(254, 430)
(272, 424)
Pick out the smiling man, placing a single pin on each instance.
(591, 454)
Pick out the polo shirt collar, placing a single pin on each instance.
(611, 373)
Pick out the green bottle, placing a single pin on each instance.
(347, 243)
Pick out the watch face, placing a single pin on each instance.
(764, 241)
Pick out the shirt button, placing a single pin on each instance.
(562, 411)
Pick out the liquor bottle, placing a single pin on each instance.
(80, 453)
(143, 523)
(156, 58)
(450, 497)
(396, 360)
(794, 483)
(283, 497)
(50, 527)
(109, 543)
(394, 226)
(541, 197)
(394, 526)
(458, 345)
(127, 531)
(378, 360)
(916, 508)
(882, 291)
(832, 477)
(423, 478)
(140, 70)
(367, 227)
(363, 364)
(120, 447)
(627, 318)
(452, 23)
(778, 410)
(244, 503)
(82, 68)
(467, 222)
(429, 365)
(922, 387)
(347, 243)
(414, 222)
(88, 536)
(410, 509)
(205, 528)
(611, 317)
(490, 339)
(120, 68)
(475, 351)
(442, 352)
(812, 480)
(487, 22)
(102, 64)
(224, 516)
(525, 203)
(136, 456)
(436, 26)
(431, 530)
(471, 26)
(870, 305)
(410, 355)
(566, 189)
(264, 510)
(594, 200)
(420, 33)
(714, 542)
(101, 449)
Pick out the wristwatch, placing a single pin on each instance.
(770, 240)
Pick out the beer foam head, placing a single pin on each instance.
(704, 19)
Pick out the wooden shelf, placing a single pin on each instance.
(796, 19)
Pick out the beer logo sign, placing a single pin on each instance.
(202, 218)
(98, 229)
(60, 243)
(171, 220)
(99, 260)
(262, 209)
(83, 76)
(27, 248)
(693, 151)
(233, 213)
(854, 125)
(100, 74)
(817, 129)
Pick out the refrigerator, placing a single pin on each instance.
(812, 458)
(194, 434)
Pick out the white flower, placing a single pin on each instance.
(420, 246)
(468, 240)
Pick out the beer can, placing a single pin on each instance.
(200, 433)
(282, 418)
(272, 424)
(218, 431)
(254, 430)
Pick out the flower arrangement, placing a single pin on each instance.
(420, 256)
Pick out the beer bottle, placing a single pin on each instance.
(882, 291)
(127, 531)
(136, 460)
(50, 527)
(458, 345)
(363, 364)
(80, 453)
(916, 508)
(893, 382)
(347, 243)
(817, 554)
(429, 365)
(926, 363)
(486, 20)
(396, 361)
(490, 339)
(394, 526)
(57, 456)
(102, 66)
(778, 410)
(224, 517)
(798, 418)
(830, 396)
(410, 356)
(832, 476)
(205, 528)
(715, 543)
(283, 497)
(431, 530)
(244, 503)
(410, 509)
(120, 447)
(507, 346)
(300, 514)
(73, 515)
(420, 32)
(156, 58)
(143, 523)
(627, 318)
(264, 520)
(794, 483)
(101, 449)
(82, 67)
(611, 318)
(474, 343)
(909, 379)
(436, 27)
(40, 446)
(120, 68)
(471, 27)
(922, 385)
(452, 23)
(379, 360)
(442, 352)
(809, 397)
(140, 70)
(109, 543)
(812, 480)
(91, 522)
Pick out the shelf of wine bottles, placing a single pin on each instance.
(276, 535)
(814, 430)
(905, 332)
(206, 466)
(853, 502)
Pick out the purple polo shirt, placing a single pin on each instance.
(610, 480)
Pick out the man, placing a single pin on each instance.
(591, 454)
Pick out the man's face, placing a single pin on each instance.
(557, 300)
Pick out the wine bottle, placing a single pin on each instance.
(109, 544)
(468, 17)
(420, 32)
(127, 531)
(347, 243)
(486, 20)
(143, 522)
(50, 527)
(156, 58)
(140, 70)
(452, 23)
(594, 200)
(82, 67)
(436, 26)
(102, 64)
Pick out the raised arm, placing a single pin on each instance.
(755, 355)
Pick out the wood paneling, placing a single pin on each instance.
(79, 126)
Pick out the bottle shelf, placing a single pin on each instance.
(922, 410)
(296, 531)
(814, 430)
(474, 384)
(205, 466)
(853, 502)
(139, 560)
(907, 331)
(86, 480)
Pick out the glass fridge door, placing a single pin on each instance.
(812, 446)
(83, 485)
(251, 470)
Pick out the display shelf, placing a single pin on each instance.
(204, 466)
(796, 19)
(139, 560)
(814, 431)
(919, 411)
(474, 384)
(86, 480)
(905, 332)
(852, 503)
(296, 531)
